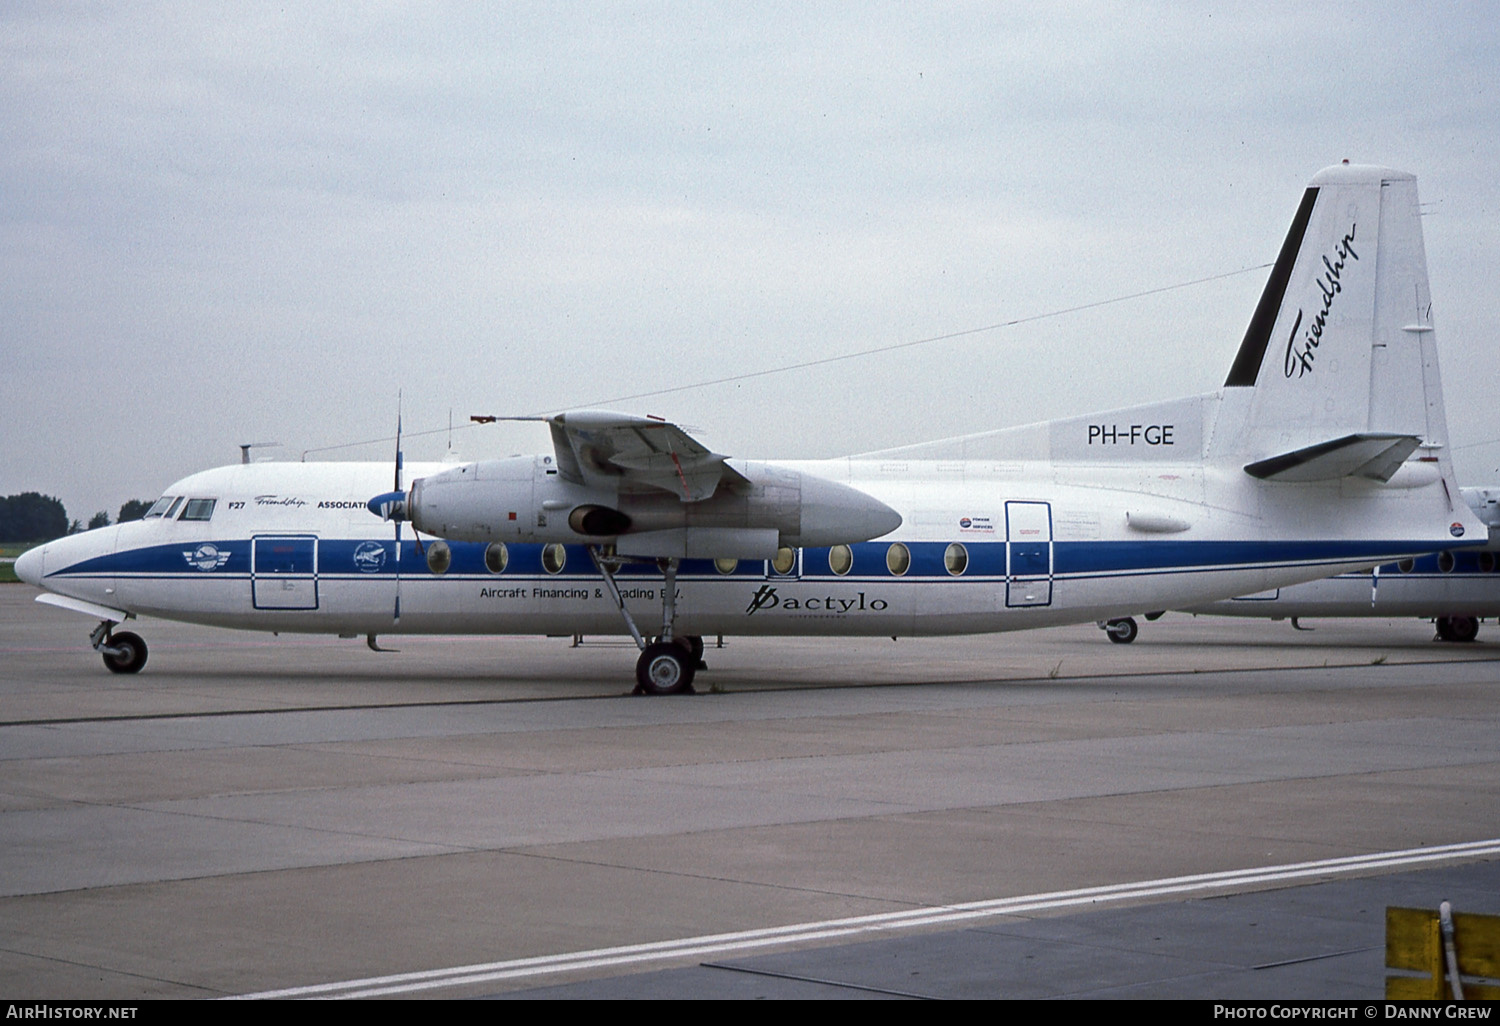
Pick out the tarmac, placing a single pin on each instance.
(1221, 810)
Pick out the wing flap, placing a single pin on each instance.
(610, 449)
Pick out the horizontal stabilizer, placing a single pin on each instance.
(1373, 456)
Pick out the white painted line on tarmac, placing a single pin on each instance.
(880, 923)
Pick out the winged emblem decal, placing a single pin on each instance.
(206, 557)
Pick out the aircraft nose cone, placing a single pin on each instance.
(29, 565)
(388, 505)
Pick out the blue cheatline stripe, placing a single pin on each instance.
(1071, 560)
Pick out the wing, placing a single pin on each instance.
(599, 448)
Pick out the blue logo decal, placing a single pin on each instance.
(206, 557)
(369, 557)
(1456, 529)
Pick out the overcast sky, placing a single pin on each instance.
(259, 222)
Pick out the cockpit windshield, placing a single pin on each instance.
(160, 506)
(170, 506)
(198, 509)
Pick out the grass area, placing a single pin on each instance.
(8, 554)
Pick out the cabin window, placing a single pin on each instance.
(1487, 562)
(898, 559)
(496, 557)
(159, 507)
(439, 557)
(785, 559)
(1445, 562)
(726, 566)
(841, 559)
(198, 509)
(1405, 566)
(554, 558)
(956, 559)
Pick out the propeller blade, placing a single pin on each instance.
(394, 508)
(397, 485)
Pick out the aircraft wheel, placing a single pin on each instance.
(665, 668)
(1444, 632)
(1462, 628)
(694, 644)
(1122, 631)
(132, 653)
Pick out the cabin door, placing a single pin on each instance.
(284, 572)
(1028, 554)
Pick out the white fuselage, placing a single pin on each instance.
(984, 546)
(1462, 582)
(1324, 452)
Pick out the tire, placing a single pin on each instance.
(132, 653)
(1444, 629)
(665, 668)
(694, 644)
(1463, 628)
(1122, 631)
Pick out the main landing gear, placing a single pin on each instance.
(665, 668)
(123, 652)
(1457, 628)
(669, 661)
(1121, 631)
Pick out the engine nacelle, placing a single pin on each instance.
(524, 499)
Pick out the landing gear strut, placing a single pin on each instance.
(123, 652)
(668, 663)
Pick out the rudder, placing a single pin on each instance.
(1339, 351)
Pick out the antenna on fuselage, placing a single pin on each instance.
(245, 448)
(451, 456)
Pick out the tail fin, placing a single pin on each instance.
(1337, 373)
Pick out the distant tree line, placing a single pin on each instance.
(34, 517)
(132, 510)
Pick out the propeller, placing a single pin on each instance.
(392, 506)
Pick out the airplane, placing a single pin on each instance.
(1456, 589)
(1324, 452)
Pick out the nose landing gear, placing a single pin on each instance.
(124, 652)
(1122, 631)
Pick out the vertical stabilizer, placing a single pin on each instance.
(1340, 350)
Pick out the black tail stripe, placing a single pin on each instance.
(1258, 335)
